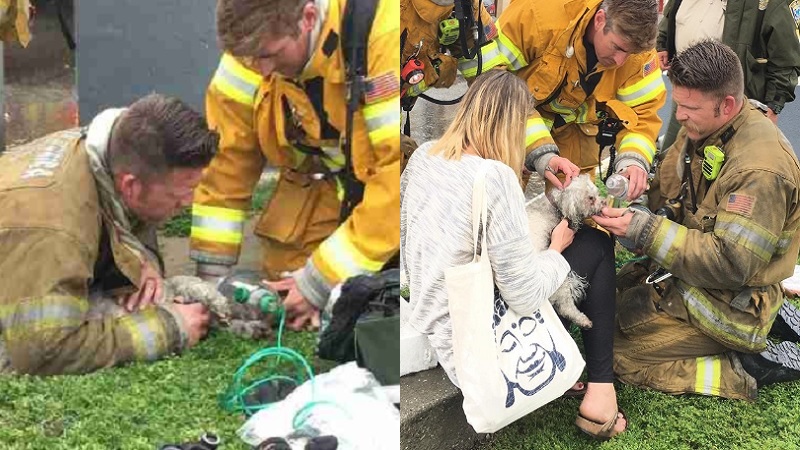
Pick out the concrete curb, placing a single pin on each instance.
(431, 415)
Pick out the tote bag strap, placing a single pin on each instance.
(479, 211)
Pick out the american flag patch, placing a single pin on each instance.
(490, 31)
(382, 87)
(741, 204)
(649, 67)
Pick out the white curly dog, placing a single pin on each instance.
(581, 199)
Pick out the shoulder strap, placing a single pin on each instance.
(479, 211)
(356, 25)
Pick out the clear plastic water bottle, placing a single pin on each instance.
(617, 186)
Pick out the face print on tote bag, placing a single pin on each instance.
(526, 351)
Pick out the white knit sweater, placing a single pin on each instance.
(436, 233)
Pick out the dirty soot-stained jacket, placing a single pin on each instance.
(729, 257)
(55, 246)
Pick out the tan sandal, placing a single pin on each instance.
(601, 431)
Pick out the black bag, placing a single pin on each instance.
(365, 325)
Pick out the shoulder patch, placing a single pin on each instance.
(741, 204)
(490, 31)
(382, 87)
(38, 163)
(795, 7)
(652, 65)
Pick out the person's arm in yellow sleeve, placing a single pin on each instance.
(542, 154)
(490, 55)
(223, 198)
(645, 94)
(370, 236)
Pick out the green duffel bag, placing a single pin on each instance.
(377, 343)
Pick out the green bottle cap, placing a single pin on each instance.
(268, 301)
(241, 295)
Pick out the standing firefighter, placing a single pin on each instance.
(439, 38)
(280, 97)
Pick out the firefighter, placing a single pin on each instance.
(432, 51)
(14, 17)
(587, 62)
(592, 68)
(432, 39)
(279, 98)
(78, 218)
(732, 188)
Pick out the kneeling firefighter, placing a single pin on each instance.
(331, 131)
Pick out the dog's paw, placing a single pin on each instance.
(583, 322)
(568, 310)
(251, 329)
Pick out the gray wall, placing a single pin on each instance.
(129, 48)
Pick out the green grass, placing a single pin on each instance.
(181, 225)
(660, 421)
(139, 406)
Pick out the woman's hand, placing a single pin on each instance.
(562, 236)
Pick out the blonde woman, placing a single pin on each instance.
(436, 230)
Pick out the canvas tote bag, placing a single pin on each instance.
(507, 364)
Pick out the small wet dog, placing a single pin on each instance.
(240, 319)
(581, 199)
